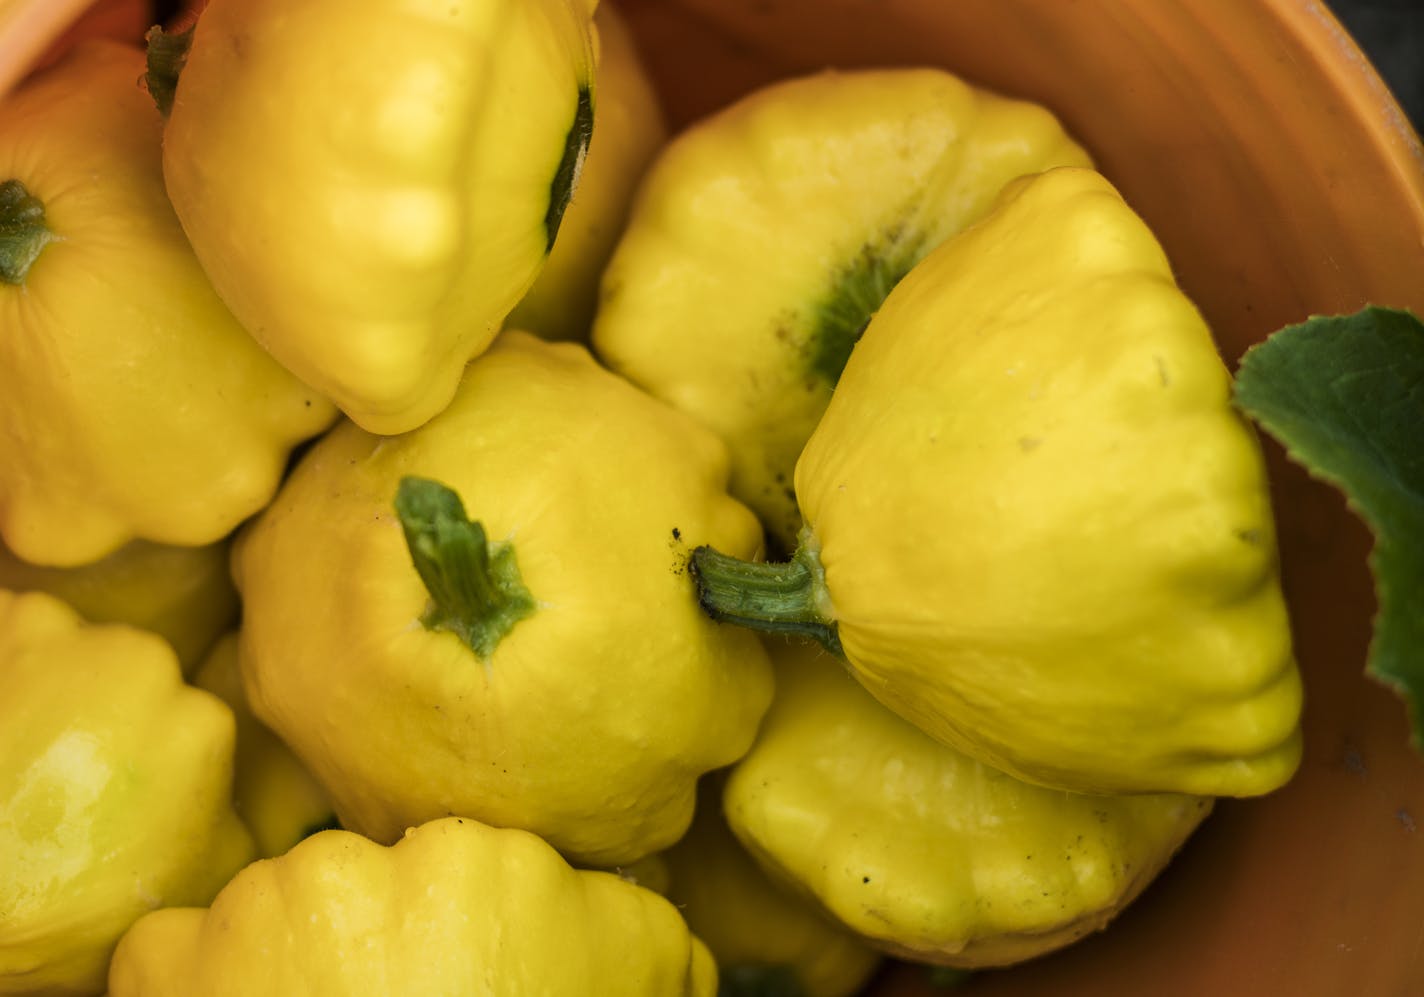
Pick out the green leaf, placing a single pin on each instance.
(1345, 396)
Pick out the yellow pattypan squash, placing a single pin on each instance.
(491, 617)
(183, 594)
(923, 852)
(766, 939)
(454, 907)
(275, 795)
(373, 186)
(766, 235)
(134, 404)
(1036, 526)
(115, 792)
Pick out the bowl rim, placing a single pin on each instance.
(1358, 82)
(28, 28)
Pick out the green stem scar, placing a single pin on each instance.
(167, 54)
(781, 598)
(475, 589)
(856, 293)
(566, 179)
(22, 231)
(752, 980)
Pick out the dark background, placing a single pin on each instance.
(1392, 34)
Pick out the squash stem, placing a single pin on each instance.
(789, 597)
(22, 231)
(566, 178)
(167, 54)
(475, 589)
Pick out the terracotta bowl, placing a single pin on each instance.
(1284, 181)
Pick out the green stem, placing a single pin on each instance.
(475, 589)
(22, 231)
(566, 177)
(947, 977)
(751, 980)
(167, 54)
(785, 598)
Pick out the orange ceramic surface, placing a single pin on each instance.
(34, 32)
(1283, 181)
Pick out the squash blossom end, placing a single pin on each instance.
(23, 234)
